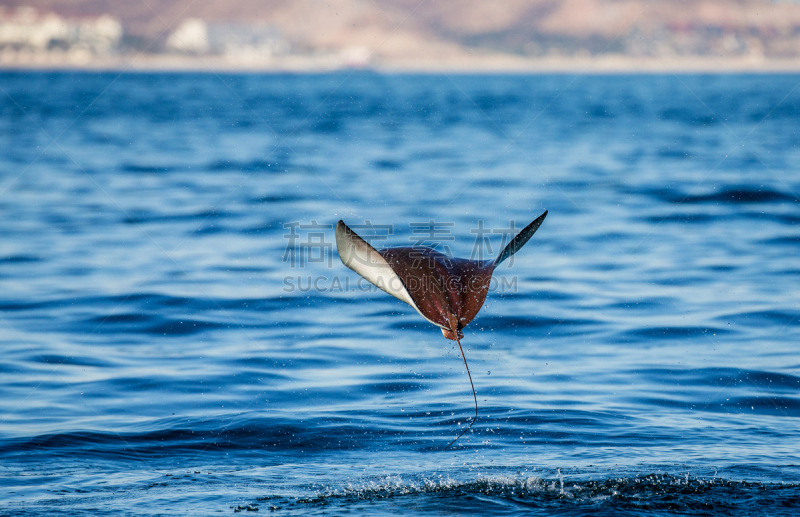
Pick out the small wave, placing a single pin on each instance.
(70, 360)
(789, 239)
(19, 259)
(733, 195)
(273, 435)
(274, 199)
(393, 387)
(723, 377)
(643, 493)
(760, 318)
(387, 164)
(149, 324)
(688, 116)
(146, 169)
(530, 322)
(677, 332)
(256, 165)
(682, 219)
(148, 217)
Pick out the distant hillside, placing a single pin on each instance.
(408, 28)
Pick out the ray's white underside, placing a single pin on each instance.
(361, 257)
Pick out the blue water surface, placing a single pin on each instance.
(179, 335)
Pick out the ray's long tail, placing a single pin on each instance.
(474, 396)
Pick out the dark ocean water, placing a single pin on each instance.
(162, 351)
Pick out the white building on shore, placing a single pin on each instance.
(234, 41)
(29, 35)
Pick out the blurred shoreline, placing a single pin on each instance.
(498, 63)
(530, 36)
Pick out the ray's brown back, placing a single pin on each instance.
(449, 291)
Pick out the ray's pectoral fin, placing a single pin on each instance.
(361, 257)
(520, 240)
